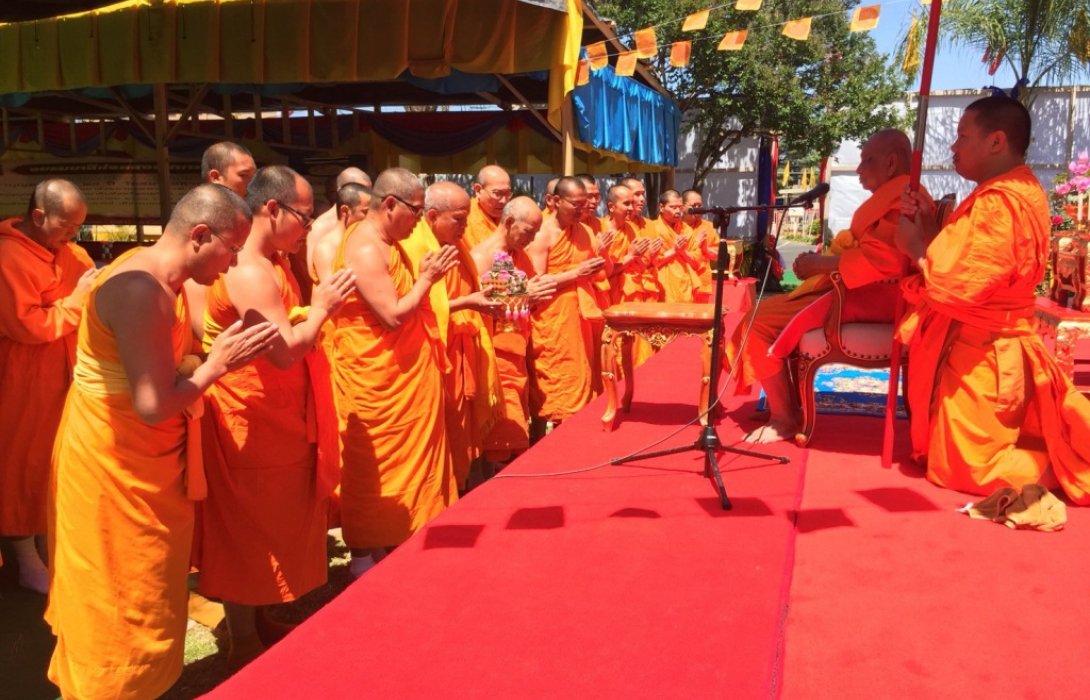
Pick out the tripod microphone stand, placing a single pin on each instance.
(709, 442)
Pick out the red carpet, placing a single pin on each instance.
(630, 582)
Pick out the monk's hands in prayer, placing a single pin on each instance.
(237, 346)
(331, 293)
(589, 267)
(811, 264)
(435, 264)
(541, 288)
(603, 240)
(681, 243)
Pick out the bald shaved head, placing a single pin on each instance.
(521, 220)
(213, 205)
(522, 209)
(56, 211)
(896, 143)
(617, 193)
(445, 195)
(885, 155)
(493, 175)
(397, 182)
(567, 186)
(550, 186)
(53, 195)
(353, 174)
(446, 209)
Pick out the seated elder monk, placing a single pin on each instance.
(862, 254)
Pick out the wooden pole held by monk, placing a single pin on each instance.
(915, 171)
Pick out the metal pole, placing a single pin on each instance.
(162, 154)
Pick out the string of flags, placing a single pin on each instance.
(863, 19)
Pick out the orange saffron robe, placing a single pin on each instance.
(269, 473)
(679, 280)
(989, 406)
(121, 525)
(396, 471)
(479, 225)
(867, 254)
(706, 252)
(37, 352)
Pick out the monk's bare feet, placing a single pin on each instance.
(773, 431)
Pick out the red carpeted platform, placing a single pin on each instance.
(629, 581)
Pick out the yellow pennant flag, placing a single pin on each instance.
(864, 19)
(733, 41)
(696, 21)
(582, 72)
(786, 174)
(646, 44)
(748, 5)
(680, 51)
(597, 55)
(798, 29)
(912, 48)
(925, 2)
(626, 63)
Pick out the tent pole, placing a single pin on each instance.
(567, 141)
(162, 155)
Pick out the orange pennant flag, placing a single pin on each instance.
(733, 41)
(626, 63)
(646, 44)
(696, 21)
(798, 29)
(864, 19)
(680, 51)
(748, 5)
(597, 55)
(582, 72)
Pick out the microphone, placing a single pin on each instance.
(807, 198)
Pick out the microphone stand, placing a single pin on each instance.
(709, 442)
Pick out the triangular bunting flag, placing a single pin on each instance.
(786, 174)
(680, 52)
(748, 5)
(626, 63)
(597, 55)
(798, 29)
(912, 48)
(733, 41)
(646, 44)
(582, 72)
(696, 21)
(864, 19)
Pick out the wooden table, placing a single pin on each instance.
(658, 324)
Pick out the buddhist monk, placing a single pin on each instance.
(989, 406)
(647, 276)
(491, 192)
(863, 254)
(678, 262)
(510, 435)
(388, 365)
(629, 279)
(561, 328)
(705, 237)
(352, 202)
(269, 472)
(44, 279)
(127, 461)
(550, 197)
(603, 238)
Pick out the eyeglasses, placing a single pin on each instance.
(498, 194)
(305, 219)
(414, 210)
(235, 250)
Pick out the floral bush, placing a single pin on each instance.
(1071, 189)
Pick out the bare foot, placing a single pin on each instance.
(773, 431)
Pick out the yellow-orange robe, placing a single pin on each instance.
(867, 254)
(479, 225)
(989, 406)
(263, 525)
(396, 471)
(121, 524)
(677, 277)
(707, 252)
(37, 352)
(561, 333)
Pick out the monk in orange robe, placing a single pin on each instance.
(561, 328)
(863, 254)
(388, 365)
(644, 282)
(324, 237)
(510, 435)
(705, 238)
(127, 461)
(270, 430)
(603, 239)
(44, 279)
(473, 395)
(678, 261)
(491, 192)
(990, 408)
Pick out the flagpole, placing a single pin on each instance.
(914, 186)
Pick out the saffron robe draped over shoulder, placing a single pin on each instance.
(396, 471)
(677, 277)
(989, 406)
(270, 475)
(561, 334)
(121, 525)
(37, 352)
(479, 225)
(866, 253)
(707, 251)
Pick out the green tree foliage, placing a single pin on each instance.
(814, 94)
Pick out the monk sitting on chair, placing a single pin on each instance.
(863, 254)
(990, 409)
